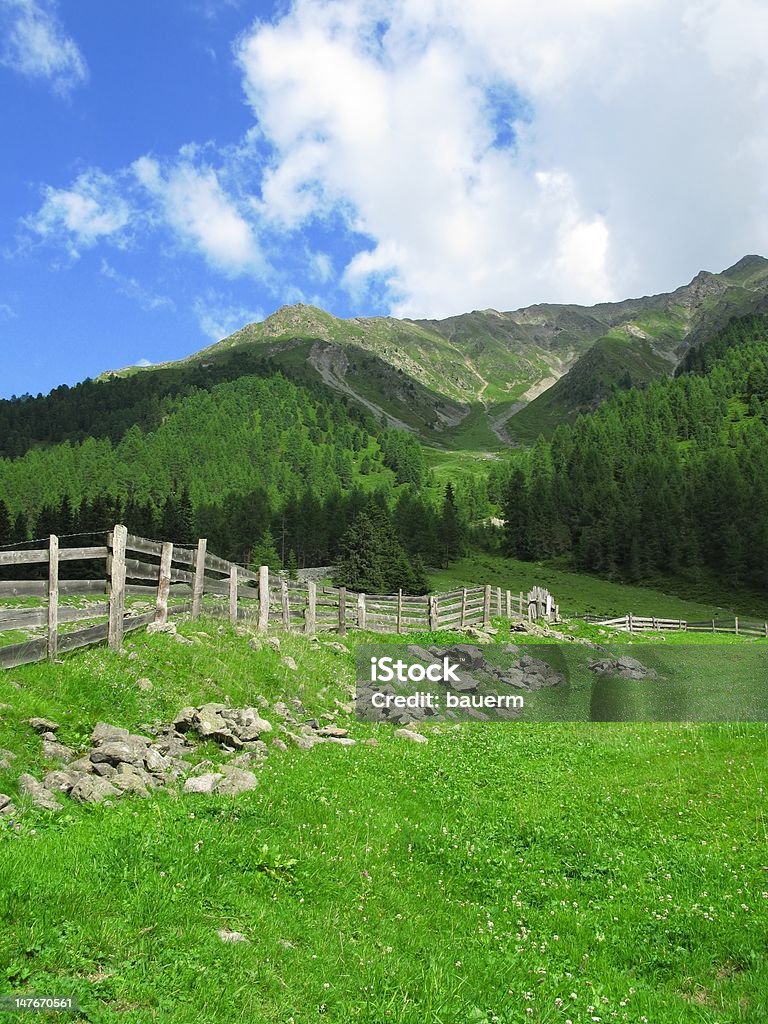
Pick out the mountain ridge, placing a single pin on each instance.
(504, 375)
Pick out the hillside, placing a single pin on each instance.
(465, 878)
(485, 377)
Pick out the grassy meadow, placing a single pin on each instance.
(499, 873)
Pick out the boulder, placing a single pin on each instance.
(131, 750)
(82, 764)
(7, 806)
(144, 684)
(92, 790)
(129, 779)
(53, 751)
(6, 756)
(62, 780)
(203, 783)
(236, 780)
(409, 734)
(289, 663)
(165, 627)
(333, 731)
(43, 724)
(103, 732)
(38, 794)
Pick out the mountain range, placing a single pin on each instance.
(487, 378)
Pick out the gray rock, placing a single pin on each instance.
(6, 756)
(185, 720)
(281, 710)
(61, 781)
(182, 639)
(279, 744)
(129, 779)
(341, 741)
(82, 764)
(246, 760)
(156, 762)
(333, 731)
(289, 663)
(166, 627)
(53, 750)
(203, 783)
(236, 780)
(43, 724)
(409, 734)
(274, 642)
(38, 794)
(132, 750)
(103, 732)
(7, 807)
(104, 770)
(339, 648)
(144, 684)
(92, 790)
(227, 936)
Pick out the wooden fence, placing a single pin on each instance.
(176, 580)
(637, 623)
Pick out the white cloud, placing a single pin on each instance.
(36, 45)
(503, 153)
(204, 217)
(219, 317)
(134, 289)
(78, 217)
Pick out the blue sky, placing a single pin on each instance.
(173, 171)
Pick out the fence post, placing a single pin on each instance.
(509, 604)
(765, 624)
(361, 611)
(342, 611)
(263, 598)
(736, 624)
(434, 618)
(713, 627)
(199, 581)
(521, 604)
(486, 607)
(53, 597)
(310, 615)
(498, 601)
(464, 608)
(116, 541)
(400, 611)
(163, 584)
(630, 625)
(285, 605)
(233, 594)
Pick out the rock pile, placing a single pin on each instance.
(120, 762)
(625, 668)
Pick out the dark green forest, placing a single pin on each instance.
(657, 481)
(667, 479)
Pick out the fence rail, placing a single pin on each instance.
(177, 580)
(639, 623)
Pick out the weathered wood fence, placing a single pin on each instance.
(176, 580)
(638, 623)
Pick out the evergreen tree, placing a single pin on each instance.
(373, 560)
(451, 530)
(264, 552)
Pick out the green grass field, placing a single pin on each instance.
(499, 873)
(578, 593)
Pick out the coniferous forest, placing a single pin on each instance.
(673, 477)
(663, 480)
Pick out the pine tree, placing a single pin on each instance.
(451, 530)
(264, 552)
